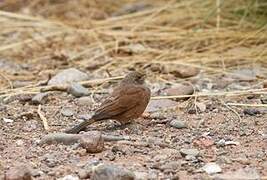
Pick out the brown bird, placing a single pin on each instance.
(127, 102)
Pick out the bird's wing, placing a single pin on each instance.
(120, 101)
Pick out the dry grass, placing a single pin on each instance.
(216, 36)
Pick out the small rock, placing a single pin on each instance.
(19, 142)
(84, 116)
(111, 172)
(191, 152)
(84, 174)
(183, 71)
(68, 76)
(85, 101)
(190, 158)
(36, 173)
(171, 166)
(245, 74)
(10, 66)
(181, 89)
(156, 67)
(156, 105)
(67, 112)
(232, 143)
(7, 120)
(264, 99)
(78, 90)
(131, 8)
(21, 172)
(203, 142)
(40, 98)
(30, 126)
(141, 175)
(18, 84)
(93, 142)
(243, 173)
(136, 48)
(51, 160)
(251, 112)
(69, 177)
(212, 168)
(201, 106)
(178, 124)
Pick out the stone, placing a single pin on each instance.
(156, 105)
(212, 168)
(21, 172)
(111, 172)
(179, 90)
(69, 177)
(178, 124)
(78, 90)
(242, 173)
(84, 174)
(141, 175)
(171, 166)
(191, 152)
(68, 76)
(67, 112)
(251, 111)
(7, 120)
(181, 71)
(40, 98)
(92, 141)
(85, 101)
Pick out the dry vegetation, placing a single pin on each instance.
(215, 37)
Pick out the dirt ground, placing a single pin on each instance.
(220, 128)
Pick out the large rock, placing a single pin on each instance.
(111, 172)
(68, 76)
(18, 173)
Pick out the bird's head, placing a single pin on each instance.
(135, 77)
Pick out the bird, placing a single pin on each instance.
(126, 103)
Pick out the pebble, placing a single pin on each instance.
(182, 71)
(21, 172)
(141, 175)
(264, 99)
(212, 168)
(156, 105)
(78, 90)
(191, 152)
(69, 177)
(40, 98)
(111, 172)
(67, 112)
(84, 173)
(68, 76)
(7, 120)
(85, 101)
(92, 141)
(251, 112)
(181, 89)
(171, 166)
(178, 124)
(19, 142)
(50, 160)
(242, 173)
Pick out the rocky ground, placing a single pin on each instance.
(203, 138)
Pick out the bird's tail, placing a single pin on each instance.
(76, 129)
